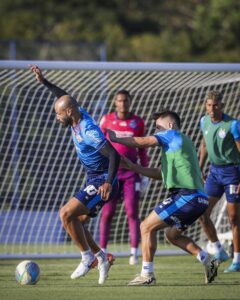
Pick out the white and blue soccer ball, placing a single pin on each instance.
(27, 272)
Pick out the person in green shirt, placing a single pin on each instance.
(187, 202)
(221, 144)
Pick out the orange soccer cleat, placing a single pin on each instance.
(110, 258)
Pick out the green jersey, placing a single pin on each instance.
(180, 167)
(220, 140)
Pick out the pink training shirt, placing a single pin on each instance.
(134, 126)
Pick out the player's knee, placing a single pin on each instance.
(171, 235)
(144, 228)
(64, 215)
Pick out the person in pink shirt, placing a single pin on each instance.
(125, 124)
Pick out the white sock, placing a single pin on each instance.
(134, 251)
(217, 247)
(147, 267)
(236, 257)
(101, 256)
(87, 255)
(104, 250)
(203, 257)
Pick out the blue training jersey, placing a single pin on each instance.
(88, 140)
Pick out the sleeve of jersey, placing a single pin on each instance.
(94, 137)
(165, 137)
(235, 130)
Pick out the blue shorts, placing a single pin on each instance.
(182, 208)
(223, 179)
(89, 197)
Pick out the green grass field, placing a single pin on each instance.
(178, 277)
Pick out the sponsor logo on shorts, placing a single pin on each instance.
(175, 220)
(202, 200)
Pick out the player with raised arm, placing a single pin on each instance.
(125, 124)
(187, 202)
(221, 144)
(101, 162)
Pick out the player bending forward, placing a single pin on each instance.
(187, 202)
(100, 160)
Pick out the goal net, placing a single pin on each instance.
(39, 169)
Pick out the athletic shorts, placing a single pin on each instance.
(223, 179)
(89, 197)
(182, 208)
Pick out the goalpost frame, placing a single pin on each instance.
(136, 66)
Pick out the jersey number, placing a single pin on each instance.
(90, 190)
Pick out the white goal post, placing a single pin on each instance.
(39, 169)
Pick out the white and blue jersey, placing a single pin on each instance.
(88, 140)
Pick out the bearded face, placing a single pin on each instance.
(66, 121)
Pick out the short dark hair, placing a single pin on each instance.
(168, 113)
(214, 95)
(124, 92)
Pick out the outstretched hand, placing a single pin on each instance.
(112, 135)
(38, 73)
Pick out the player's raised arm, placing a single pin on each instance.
(58, 92)
(154, 173)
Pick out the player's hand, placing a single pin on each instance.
(112, 135)
(105, 191)
(126, 163)
(38, 73)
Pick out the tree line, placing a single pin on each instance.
(132, 30)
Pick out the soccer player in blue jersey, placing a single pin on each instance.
(101, 162)
(221, 143)
(187, 201)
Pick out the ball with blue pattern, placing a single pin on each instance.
(27, 272)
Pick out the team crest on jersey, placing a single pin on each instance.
(94, 135)
(222, 133)
(133, 124)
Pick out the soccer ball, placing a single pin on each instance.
(27, 272)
